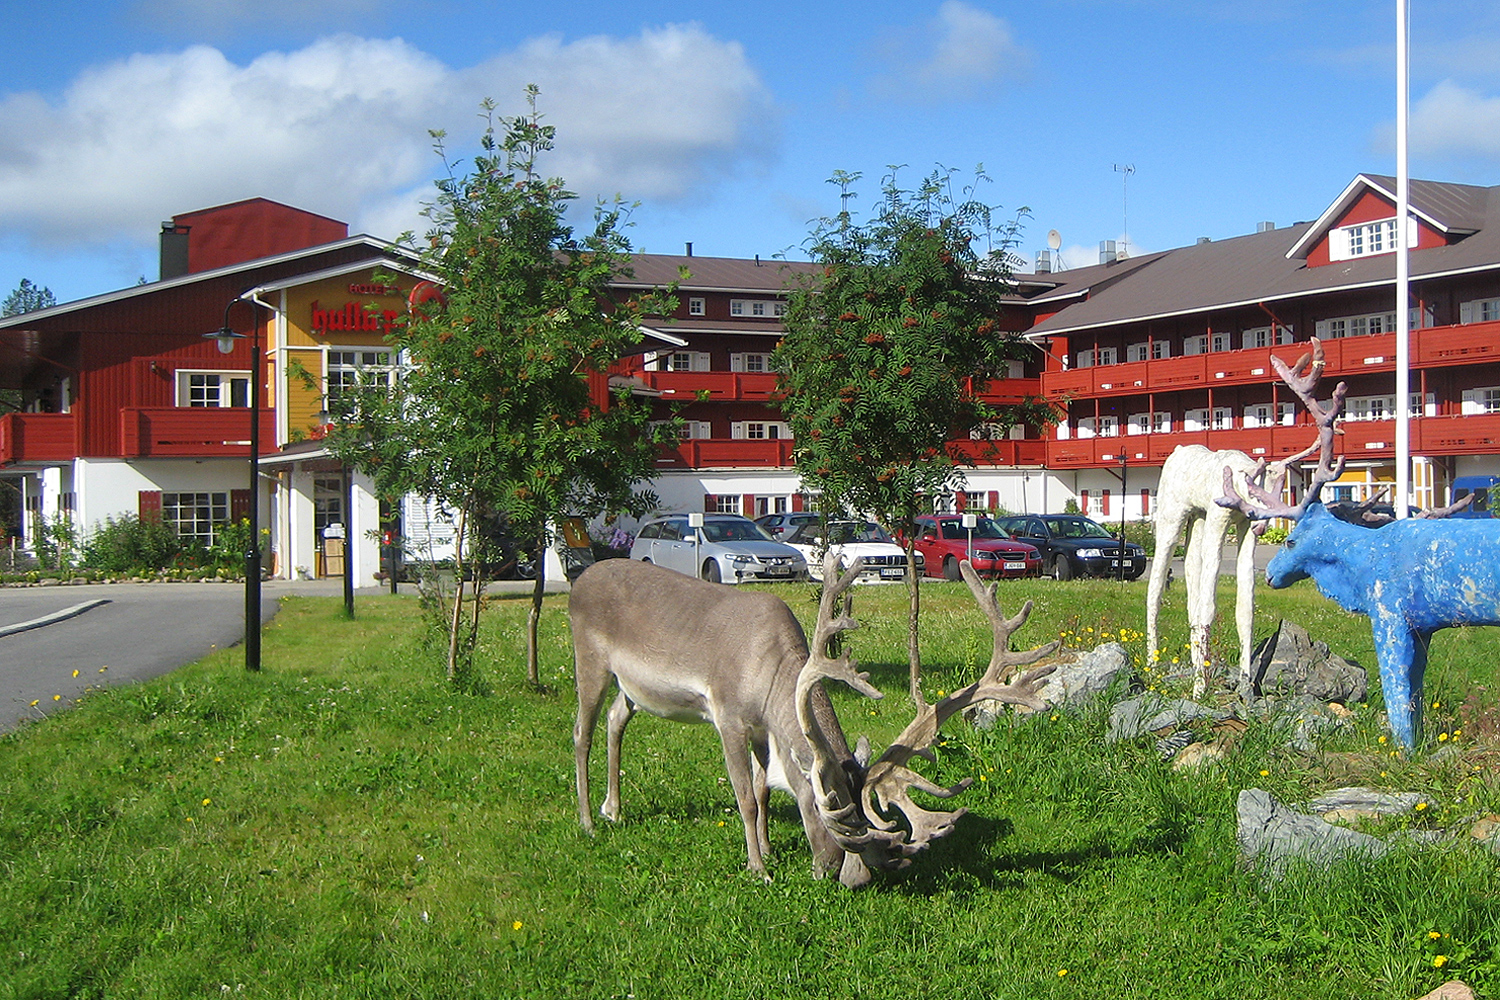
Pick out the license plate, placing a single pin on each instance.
(1015, 565)
(778, 571)
(892, 573)
(1114, 564)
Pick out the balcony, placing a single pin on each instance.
(997, 453)
(720, 387)
(1010, 391)
(36, 437)
(1430, 436)
(191, 432)
(727, 453)
(1434, 347)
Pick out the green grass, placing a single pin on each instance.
(344, 824)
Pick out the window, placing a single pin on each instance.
(684, 361)
(759, 430)
(1286, 414)
(1107, 356)
(1366, 238)
(1257, 415)
(772, 505)
(1371, 408)
(1160, 349)
(725, 504)
(749, 362)
(1221, 341)
(1138, 423)
(193, 516)
(1195, 420)
(1479, 311)
(690, 429)
(756, 308)
(328, 503)
(1223, 419)
(1137, 352)
(1109, 426)
(1161, 422)
(1415, 405)
(696, 306)
(1195, 345)
(213, 388)
(351, 370)
(1085, 360)
(1485, 399)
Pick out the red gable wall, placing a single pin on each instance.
(251, 229)
(1371, 207)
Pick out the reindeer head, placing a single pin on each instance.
(867, 807)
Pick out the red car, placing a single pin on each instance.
(945, 542)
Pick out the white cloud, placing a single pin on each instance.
(957, 54)
(1452, 121)
(340, 127)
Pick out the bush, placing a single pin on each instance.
(132, 543)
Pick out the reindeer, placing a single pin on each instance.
(740, 660)
(1187, 502)
(1411, 577)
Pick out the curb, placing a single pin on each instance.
(56, 616)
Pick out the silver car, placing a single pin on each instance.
(727, 549)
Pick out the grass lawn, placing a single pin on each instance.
(345, 824)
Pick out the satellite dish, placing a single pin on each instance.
(1054, 239)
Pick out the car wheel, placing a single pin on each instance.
(950, 570)
(711, 572)
(1062, 567)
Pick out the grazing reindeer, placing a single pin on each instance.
(697, 652)
(1412, 577)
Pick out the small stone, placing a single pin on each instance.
(1366, 800)
(1451, 990)
(1486, 828)
(1349, 817)
(1196, 755)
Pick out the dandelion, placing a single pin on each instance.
(102, 669)
(1265, 774)
(516, 925)
(1438, 961)
(1421, 806)
(75, 673)
(942, 693)
(1442, 737)
(1382, 741)
(721, 823)
(984, 777)
(1061, 973)
(35, 702)
(218, 760)
(1436, 705)
(207, 801)
(189, 819)
(1055, 716)
(57, 697)
(1433, 935)
(1457, 733)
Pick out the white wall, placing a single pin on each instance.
(107, 488)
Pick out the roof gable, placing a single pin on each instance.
(1445, 211)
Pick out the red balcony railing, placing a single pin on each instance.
(719, 386)
(36, 437)
(983, 453)
(727, 453)
(181, 431)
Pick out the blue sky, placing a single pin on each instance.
(724, 120)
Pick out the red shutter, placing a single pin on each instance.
(710, 503)
(239, 505)
(1083, 501)
(747, 505)
(797, 502)
(1145, 503)
(149, 503)
(1104, 504)
(960, 502)
(994, 499)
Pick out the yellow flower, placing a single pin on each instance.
(102, 669)
(218, 760)
(1055, 717)
(1436, 705)
(75, 673)
(1442, 737)
(1438, 961)
(984, 777)
(36, 702)
(189, 819)
(1061, 973)
(516, 925)
(1433, 935)
(1382, 739)
(1457, 733)
(1265, 774)
(721, 822)
(57, 697)
(942, 693)
(207, 801)
(1421, 806)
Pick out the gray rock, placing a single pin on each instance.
(1289, 662)
(1366, 800)
(1079, 678)
(1271, 834)
(1148, 713)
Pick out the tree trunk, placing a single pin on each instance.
(534, 617)
(458, 591)
(913, 654)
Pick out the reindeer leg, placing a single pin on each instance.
(760, 784)
(737, 761)
(619, 714)
(1168, 528)
(591, 683)
(1244, 599)
(1200, 605)
(1403, 663)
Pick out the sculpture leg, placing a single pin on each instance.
(1168, 528)
(1199, 580)
(1244, 599)
(1403, 664)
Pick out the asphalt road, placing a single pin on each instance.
(142, 630)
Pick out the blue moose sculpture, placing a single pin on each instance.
(1411, 577)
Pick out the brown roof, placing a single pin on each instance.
(730, 274)
(1251, 269)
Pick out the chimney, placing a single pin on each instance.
(1264, 227)
(1203, 239)
(689, 249)
(1107, 251)
(1044, 262)
(174, 250)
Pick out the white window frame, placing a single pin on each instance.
(1161, 349)
(697, 306)
(1109, 425)
(1222, 418)
(357, 368)
(1220, 340)
(1416, 406)
(1085, 359)
(1197, 344)
(750, 361)
(1195, 419)
(1286, 414)
(1107, 356)
(760, 430)
(728, 503)
(218, 388)
(1256, 416)
(757, 308)
(1137, 352)
(195, 514)
(1479, 311)
(1368, 239)
(1480, 400)
(1161, 422)
(1138, 423)
(683, 361)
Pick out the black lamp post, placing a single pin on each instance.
(225, 336)
(1123, 459)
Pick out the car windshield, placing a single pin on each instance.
(734, 531)
(1077, 527)
(983, 528)
(857, 531)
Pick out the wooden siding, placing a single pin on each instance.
(188, 432)
(37, 437)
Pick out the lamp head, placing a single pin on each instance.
(225, 339)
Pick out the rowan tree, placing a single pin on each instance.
(491, 412)
(888, 348)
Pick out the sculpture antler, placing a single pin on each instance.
(870, 812)
(1302, 378)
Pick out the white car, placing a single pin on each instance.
(884, 560)
(727, 549)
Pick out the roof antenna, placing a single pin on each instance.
(1126, 169)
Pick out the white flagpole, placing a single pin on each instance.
(1403, 271)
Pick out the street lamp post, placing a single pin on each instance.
(1121, 553)
(225, 337)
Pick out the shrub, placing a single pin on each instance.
(132, 543)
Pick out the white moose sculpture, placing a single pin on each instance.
(692, 651)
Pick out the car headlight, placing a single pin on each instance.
(984, 555)
(741, 560)
(1090, 553)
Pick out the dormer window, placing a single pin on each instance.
(1366, 239)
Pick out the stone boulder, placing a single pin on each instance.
(1080, 677)
(1289, 662)
(1270, 834)
(1151, 713)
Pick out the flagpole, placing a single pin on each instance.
(1403, 270)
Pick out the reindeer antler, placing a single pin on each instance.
(863, 808)
(1302, 378)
